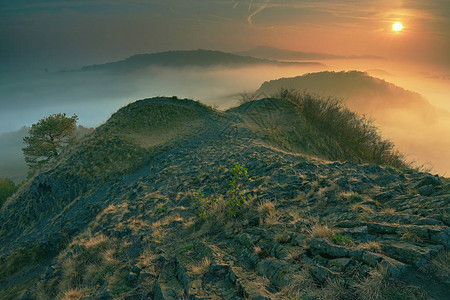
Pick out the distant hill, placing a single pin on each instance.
(142, 208)
(406, 117)
(194, 58)
(360, 91)
(267, 52)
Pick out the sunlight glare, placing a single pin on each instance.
(397, 26)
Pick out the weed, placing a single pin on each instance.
(236, 194)
(341, 240)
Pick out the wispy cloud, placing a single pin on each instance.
(257, 11)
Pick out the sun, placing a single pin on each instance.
(397, 26)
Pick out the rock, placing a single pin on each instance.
(411, 254)
(429, 180)
(273, 269)
(385, 196)
(339, 263)
(132, 279)
(322, 273)
(259, 297)
(218, 273)
(426, 190)
(371, 259)
(157, 292)
(136, 269)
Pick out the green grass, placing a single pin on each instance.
(341, 240)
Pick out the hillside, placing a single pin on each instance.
(194, 58)
(361, 92)
(141, 209)
(267, 52)
(407, 118)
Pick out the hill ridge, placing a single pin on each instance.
(137, 233)
(189, 58)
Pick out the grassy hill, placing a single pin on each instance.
(405, 117)
(193, 58)
(170, 199)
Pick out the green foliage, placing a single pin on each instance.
(204, 204)
(47, 137)
(355, 197)
(236, 194)
(341, 240)
(7, 188)
(161, 210)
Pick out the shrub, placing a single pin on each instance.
(236, 196)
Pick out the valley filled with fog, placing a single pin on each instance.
(95, 94)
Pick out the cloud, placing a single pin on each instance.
(260, 9)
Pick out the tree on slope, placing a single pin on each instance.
(47, 137)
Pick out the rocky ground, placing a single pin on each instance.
(309, 229)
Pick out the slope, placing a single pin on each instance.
(407, 118)
(118, 219)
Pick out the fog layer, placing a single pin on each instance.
(95, 95)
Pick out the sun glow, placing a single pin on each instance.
(397, 26)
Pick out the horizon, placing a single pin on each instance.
(405, 43)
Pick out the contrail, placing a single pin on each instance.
(262, 7)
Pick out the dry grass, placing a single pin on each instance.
(320, 231)
(295, 218)
(266, 208)
(409, 235)
(370, 246)
(440, 264)
(334, 290)
(389, 211)
(374, 286)
(360, 208)
(300, 283)
(202, 267)
(74, 294)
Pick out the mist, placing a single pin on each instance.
(94, 95)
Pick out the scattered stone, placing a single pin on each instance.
(321, 273)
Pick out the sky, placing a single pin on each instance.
(67, 33)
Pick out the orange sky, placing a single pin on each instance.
(64, 33)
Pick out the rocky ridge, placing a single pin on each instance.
(311, 228)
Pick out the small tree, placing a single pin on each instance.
(47, 137)
(7, 188)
